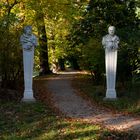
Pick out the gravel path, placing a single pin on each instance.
(72, 105)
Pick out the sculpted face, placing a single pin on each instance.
(28, 30)
(111, 30)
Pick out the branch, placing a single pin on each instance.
(11, 6)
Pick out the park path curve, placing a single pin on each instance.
(66, 100)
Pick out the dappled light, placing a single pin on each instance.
(35, 121)
(72, 89)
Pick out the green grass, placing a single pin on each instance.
(128, 98)
(35, 121)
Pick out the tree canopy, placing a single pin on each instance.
(69, 32)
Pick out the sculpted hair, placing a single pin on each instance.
(112, 27)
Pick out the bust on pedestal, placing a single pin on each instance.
(28, 41)
(110, 43)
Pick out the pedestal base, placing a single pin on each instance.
(110, 99)
(28, 96)
(111, 94)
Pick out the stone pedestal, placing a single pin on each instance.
(111, 65)
(28, 60)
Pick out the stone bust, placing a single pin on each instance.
(27, 39)
(110, 41)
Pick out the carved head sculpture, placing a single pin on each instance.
(28, 30)
(111, 30)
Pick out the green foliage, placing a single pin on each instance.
(73, 29)
(11, 56)
(128, 54)
(93, 25)
(94, 56)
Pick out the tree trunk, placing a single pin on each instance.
(61, 64)
(44, 64)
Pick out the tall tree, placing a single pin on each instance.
(44, 62)
(99, 14)
(10, 59)
(38, 7)
(45, 11)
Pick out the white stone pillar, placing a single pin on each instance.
(28, 42)
(110, 43)
(28, 61)
(111, 65)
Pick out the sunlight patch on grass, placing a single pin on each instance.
(35, 121)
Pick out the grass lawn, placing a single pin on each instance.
(128, 98)
(35, 121)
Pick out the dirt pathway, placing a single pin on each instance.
(72, 105)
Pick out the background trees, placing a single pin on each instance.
(70, 33)
(93, 25)
(10, 59)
